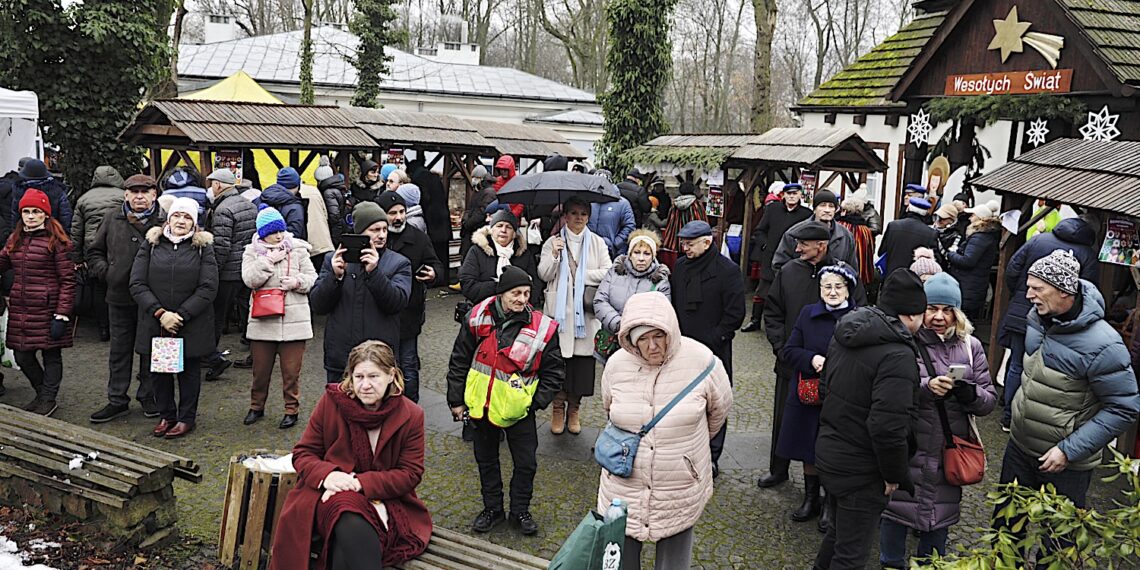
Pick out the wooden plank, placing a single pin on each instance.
(255, 520)
(485, 546)
(474, 557)
(160, 130)
(93, 471)
(110, 464)
(437, 561)
(231, 514)
(93, 494)
(285, 483)
(59, 467)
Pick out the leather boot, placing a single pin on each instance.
(558, 415)
(825, 514)
(777, 473)
(809, 509)
(573, 419)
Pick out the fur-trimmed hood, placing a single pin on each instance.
(201, 238)
(984, 225)
(482, 239)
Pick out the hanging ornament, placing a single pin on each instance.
(1037, 132)
(1101, 126)
(919, 127)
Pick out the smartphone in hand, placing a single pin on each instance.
(957, 372)
(354, 245)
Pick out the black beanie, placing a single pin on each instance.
(386, 200)
(824, 196)
(514, 277)
(902, 294)
(504, 215)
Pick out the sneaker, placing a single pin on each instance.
(46, 408)
(525, 523)
(31, 406)
(110, 412)
(217, 368)
(150, 409)
(244, 363)
(1005, 425)
(487, 520)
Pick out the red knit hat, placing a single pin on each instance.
(34, 198)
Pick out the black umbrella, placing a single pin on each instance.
(550, 188)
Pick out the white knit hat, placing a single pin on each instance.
(186, 206)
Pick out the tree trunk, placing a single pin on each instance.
(307, 95)
(765, 15)
(167, 87)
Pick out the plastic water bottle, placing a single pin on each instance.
(615, 512)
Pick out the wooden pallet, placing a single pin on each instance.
(450, 550)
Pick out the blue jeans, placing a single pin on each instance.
(409, 357)
(1013, 372)
(892, 544)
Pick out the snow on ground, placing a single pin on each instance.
(11, 558)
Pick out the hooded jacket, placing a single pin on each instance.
(362, 189)
(841, 247)
(113, 251)
(333, 193)
(180, 184)
(972, 263)
(508, 162)
(1078, 391)
(43, 286)
(638, 198)
(902, 237)
(177, 277)
(290, 207)
(478, 275)
(258, 272)
(672, 479)
(868, 389)
(621, 282)
(105, 195)
(233, 224)
(57, 196)
(934, 503)
(1072, 234)
(613, 222)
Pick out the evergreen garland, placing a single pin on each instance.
(639, 63)
(988, 109)
(374, 23)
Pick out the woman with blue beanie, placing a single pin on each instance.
(277, 265)
(943, 341)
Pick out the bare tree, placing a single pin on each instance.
(764, 14)
(580, 26)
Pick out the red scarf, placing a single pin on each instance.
(360, 421)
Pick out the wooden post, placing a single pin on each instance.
(155, 163)
(294, 158)
(1009, 246)
(206, 160)
(750, 174)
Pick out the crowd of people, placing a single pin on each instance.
(876, 362)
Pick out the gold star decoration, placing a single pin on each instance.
(1008, 35)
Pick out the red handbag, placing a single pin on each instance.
(963, 460)
(808, 391)
(268, 302)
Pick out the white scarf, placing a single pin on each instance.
(503, 260)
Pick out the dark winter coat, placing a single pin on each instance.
(290, 206)
(934, 503)
(972, 263)
(773, 225)
(416, 246)
(948, 240)
(810, 337)
(638, 198)
(232, 223)
(478, 274)
(713, 318)
(868, 389)
(333, 191)
(177, 277)
(475, 216)
(902, 237)
(840, 247)
(433, 200)
(7, 186)
(361, 306)
(796, 286)
(113, 251)
(105, 195)
(613, 222)
(1072, 234)
(362, 189)
(57, 196)
(43, 286)
(874, 220)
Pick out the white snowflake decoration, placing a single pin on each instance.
(1037, 132)
(919, 127)
(1101, 126)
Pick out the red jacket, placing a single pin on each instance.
(324, 448)
(44, 286)
(507, 162)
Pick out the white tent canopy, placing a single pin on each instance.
(19, 115)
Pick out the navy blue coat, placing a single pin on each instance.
(57, 197)
(1071, 234)
(290, 206)
(972, 263)
(810, 337)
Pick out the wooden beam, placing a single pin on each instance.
(273, 158)
(294, 158)
(308, 160)
(155, 165)
(859, 119)
(160, 130)
(206, 160)
(434, 161)
(533, 164)
(1001, 296)
(892, 120)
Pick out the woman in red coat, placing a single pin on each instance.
(358, 464)
(42, 298)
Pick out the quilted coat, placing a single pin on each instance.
(672, 473)
(43, 286)
(233, 223)
(177, 277)
(623, 282)
(548, 269)
(104, 197)
(971, 264)
(934, 503)
(260, 273)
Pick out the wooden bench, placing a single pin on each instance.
(125, 487)
(450, 550)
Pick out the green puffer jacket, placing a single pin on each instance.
(1078, 390)
(105, 195)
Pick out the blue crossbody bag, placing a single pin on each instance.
(616, 448)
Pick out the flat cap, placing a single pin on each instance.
(695, 229)
(811, 231)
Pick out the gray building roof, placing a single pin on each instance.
(276, 58)
(572, 117)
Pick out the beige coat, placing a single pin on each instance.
(259, 273)
(317, 226)
(596, 268)
(672, 473)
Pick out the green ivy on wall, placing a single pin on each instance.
(375, 24)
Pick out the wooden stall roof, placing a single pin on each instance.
(828, 149)
(187, 123)
(401, 127)
(1092, 174)
(526, 141)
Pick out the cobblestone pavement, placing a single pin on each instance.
(743, 526)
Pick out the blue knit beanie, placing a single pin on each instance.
(386, 170)
(288, 177)
(269, 221)
(410, 193)
(942, 289)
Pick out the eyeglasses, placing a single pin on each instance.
(834, 287)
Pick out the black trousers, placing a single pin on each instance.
(354, 544)
(124, 323)
(189, 387)
(45, 378)
(855, 518)
(100, 303)
(443, 252)
(522, 440)
(229, 292)
(783, 379)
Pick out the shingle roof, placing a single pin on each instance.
(406, 128)
(276, 58)
(868, 81)
(1074, 172)
(1113, 27)
(830, 149)
(530, 141)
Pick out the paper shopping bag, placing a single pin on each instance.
(166, 355)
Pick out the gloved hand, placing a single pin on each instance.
(290, 282)
(275, 255)
(965, 393)
(58, 328)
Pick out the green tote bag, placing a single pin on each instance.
(594, 545)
